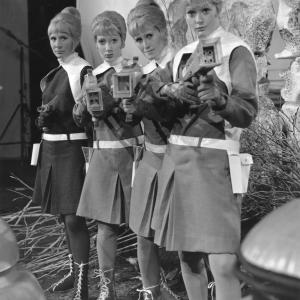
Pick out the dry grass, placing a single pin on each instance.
(41, 238)
(42, 244)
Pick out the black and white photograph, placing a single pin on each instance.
(150, 150)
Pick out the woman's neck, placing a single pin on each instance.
(66, 59)
(213, 30)
(162, 55)
(115, 62)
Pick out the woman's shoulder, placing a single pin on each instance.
(74, 64)
(102, 69)
(80, 62)
(189, 48)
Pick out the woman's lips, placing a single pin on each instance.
(109, 55)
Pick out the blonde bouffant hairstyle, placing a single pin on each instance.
(217, 3)
(109, 22)
(68, 20)
(146, 12)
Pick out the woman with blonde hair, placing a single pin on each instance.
(198, 206)
(147, 25)
(107, 188)
(60, 169)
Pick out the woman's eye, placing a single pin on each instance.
(190, 13)
(149, 35)
(205, 11)
(101, 42)
(138, 40)
(114, 41)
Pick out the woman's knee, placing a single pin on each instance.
(74, 223)
(222, 264)
(193, 260)
(145, 242)
(107, 230)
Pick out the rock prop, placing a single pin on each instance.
(15, 282)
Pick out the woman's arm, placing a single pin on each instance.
(152, 101)
(241, 105)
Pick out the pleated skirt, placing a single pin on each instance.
(144, 193)
(195, 208)
(106, 191)
(59, 176)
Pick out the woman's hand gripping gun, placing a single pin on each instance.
(45, 113)
(197, 87)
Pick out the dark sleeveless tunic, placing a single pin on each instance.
(60, 169)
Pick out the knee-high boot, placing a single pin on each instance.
(81, 281)
(107, 285)
(67, 282)
(150, 293)
(158, 292)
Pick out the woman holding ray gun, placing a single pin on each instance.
(60, 169)
(197, 212)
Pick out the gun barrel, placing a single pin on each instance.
(48, 106)
(44, 108)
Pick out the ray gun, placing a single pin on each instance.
(207, 55)
(45, 112)
(125, 81)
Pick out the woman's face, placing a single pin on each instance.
(202, 17)
(151, 42)
(109, 47)
(62, 44)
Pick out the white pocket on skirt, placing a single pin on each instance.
(35, 154)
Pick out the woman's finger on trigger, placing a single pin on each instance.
(203, 87)
(187, 100)
(188, 84)
(126, 101)
(191, 92)
(208, 78)
(204, 96)
(193, 106)
(192, 98)
(195, 81)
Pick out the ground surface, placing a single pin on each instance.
(127, 282)
(124, 284)
(127, 275)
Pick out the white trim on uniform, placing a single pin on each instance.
(155, 148)
(239, 163)
(119, 143)
(63, 136)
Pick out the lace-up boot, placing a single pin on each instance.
(106, 284)
(150, 293)
(67, 282)
(81, 282)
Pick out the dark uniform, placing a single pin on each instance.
(60, 169)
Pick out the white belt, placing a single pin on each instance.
(119, 143)
(239, 164)
(155, 148)
(230, 146)
(64, 136)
